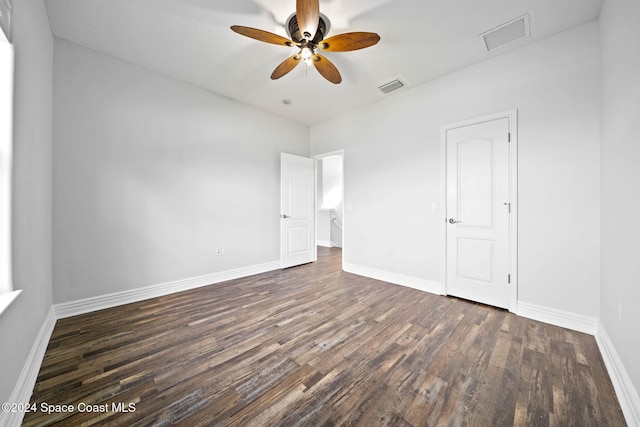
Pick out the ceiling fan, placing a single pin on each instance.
(307, 28)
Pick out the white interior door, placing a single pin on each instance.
(478, 212)
(297, 236)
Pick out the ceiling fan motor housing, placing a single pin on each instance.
(293, 30)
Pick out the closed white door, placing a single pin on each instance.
(478, 212)
(297, 237)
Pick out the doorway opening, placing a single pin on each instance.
(330, 200)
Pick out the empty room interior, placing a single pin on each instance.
(390, 212)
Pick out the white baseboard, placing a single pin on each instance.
(626, 392)
(325, 243)
(398, 279)
(29, 374)
(87, 305)
(27, 379)
(564, 319)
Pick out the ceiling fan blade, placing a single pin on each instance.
(263, 36)
(308, 16)
(349, 41)
(326, 69)
(286, 66)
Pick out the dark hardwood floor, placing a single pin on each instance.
(315, 346)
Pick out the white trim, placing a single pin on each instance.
(7, 298)
(87, 305)
(564, 319)
(325, 243)
(329, 154)
(395, 278)
(443, 205)
(29, 374)
(513, 195)
(512, 116)
(626, 392)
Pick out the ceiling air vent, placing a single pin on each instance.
(391, 86)
(507, 33)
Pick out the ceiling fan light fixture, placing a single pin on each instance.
(306, 53)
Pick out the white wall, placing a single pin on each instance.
(323, 227)
(147, 169)
(332, 183)
(620, 169)
(332, 187)
(31, 225)
(151, 174)
(392, 168)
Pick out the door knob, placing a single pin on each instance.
(453, 221)
(285, 216)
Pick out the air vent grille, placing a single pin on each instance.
(391, 86)
(507, 33)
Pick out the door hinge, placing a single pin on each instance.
(509, 137)
(508, 205)
(509, 279)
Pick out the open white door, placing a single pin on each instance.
(297, 210)
(478, 212)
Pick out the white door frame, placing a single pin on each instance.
(344, 204)
(512, 116)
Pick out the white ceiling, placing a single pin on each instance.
(190, 40)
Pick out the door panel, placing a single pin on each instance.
(299, 195)
(297, 239)
(478, 212)
(475, 258)
(475, 182)
(297, 235)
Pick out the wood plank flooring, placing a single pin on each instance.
(315, 346)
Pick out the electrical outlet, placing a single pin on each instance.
(218, 250)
